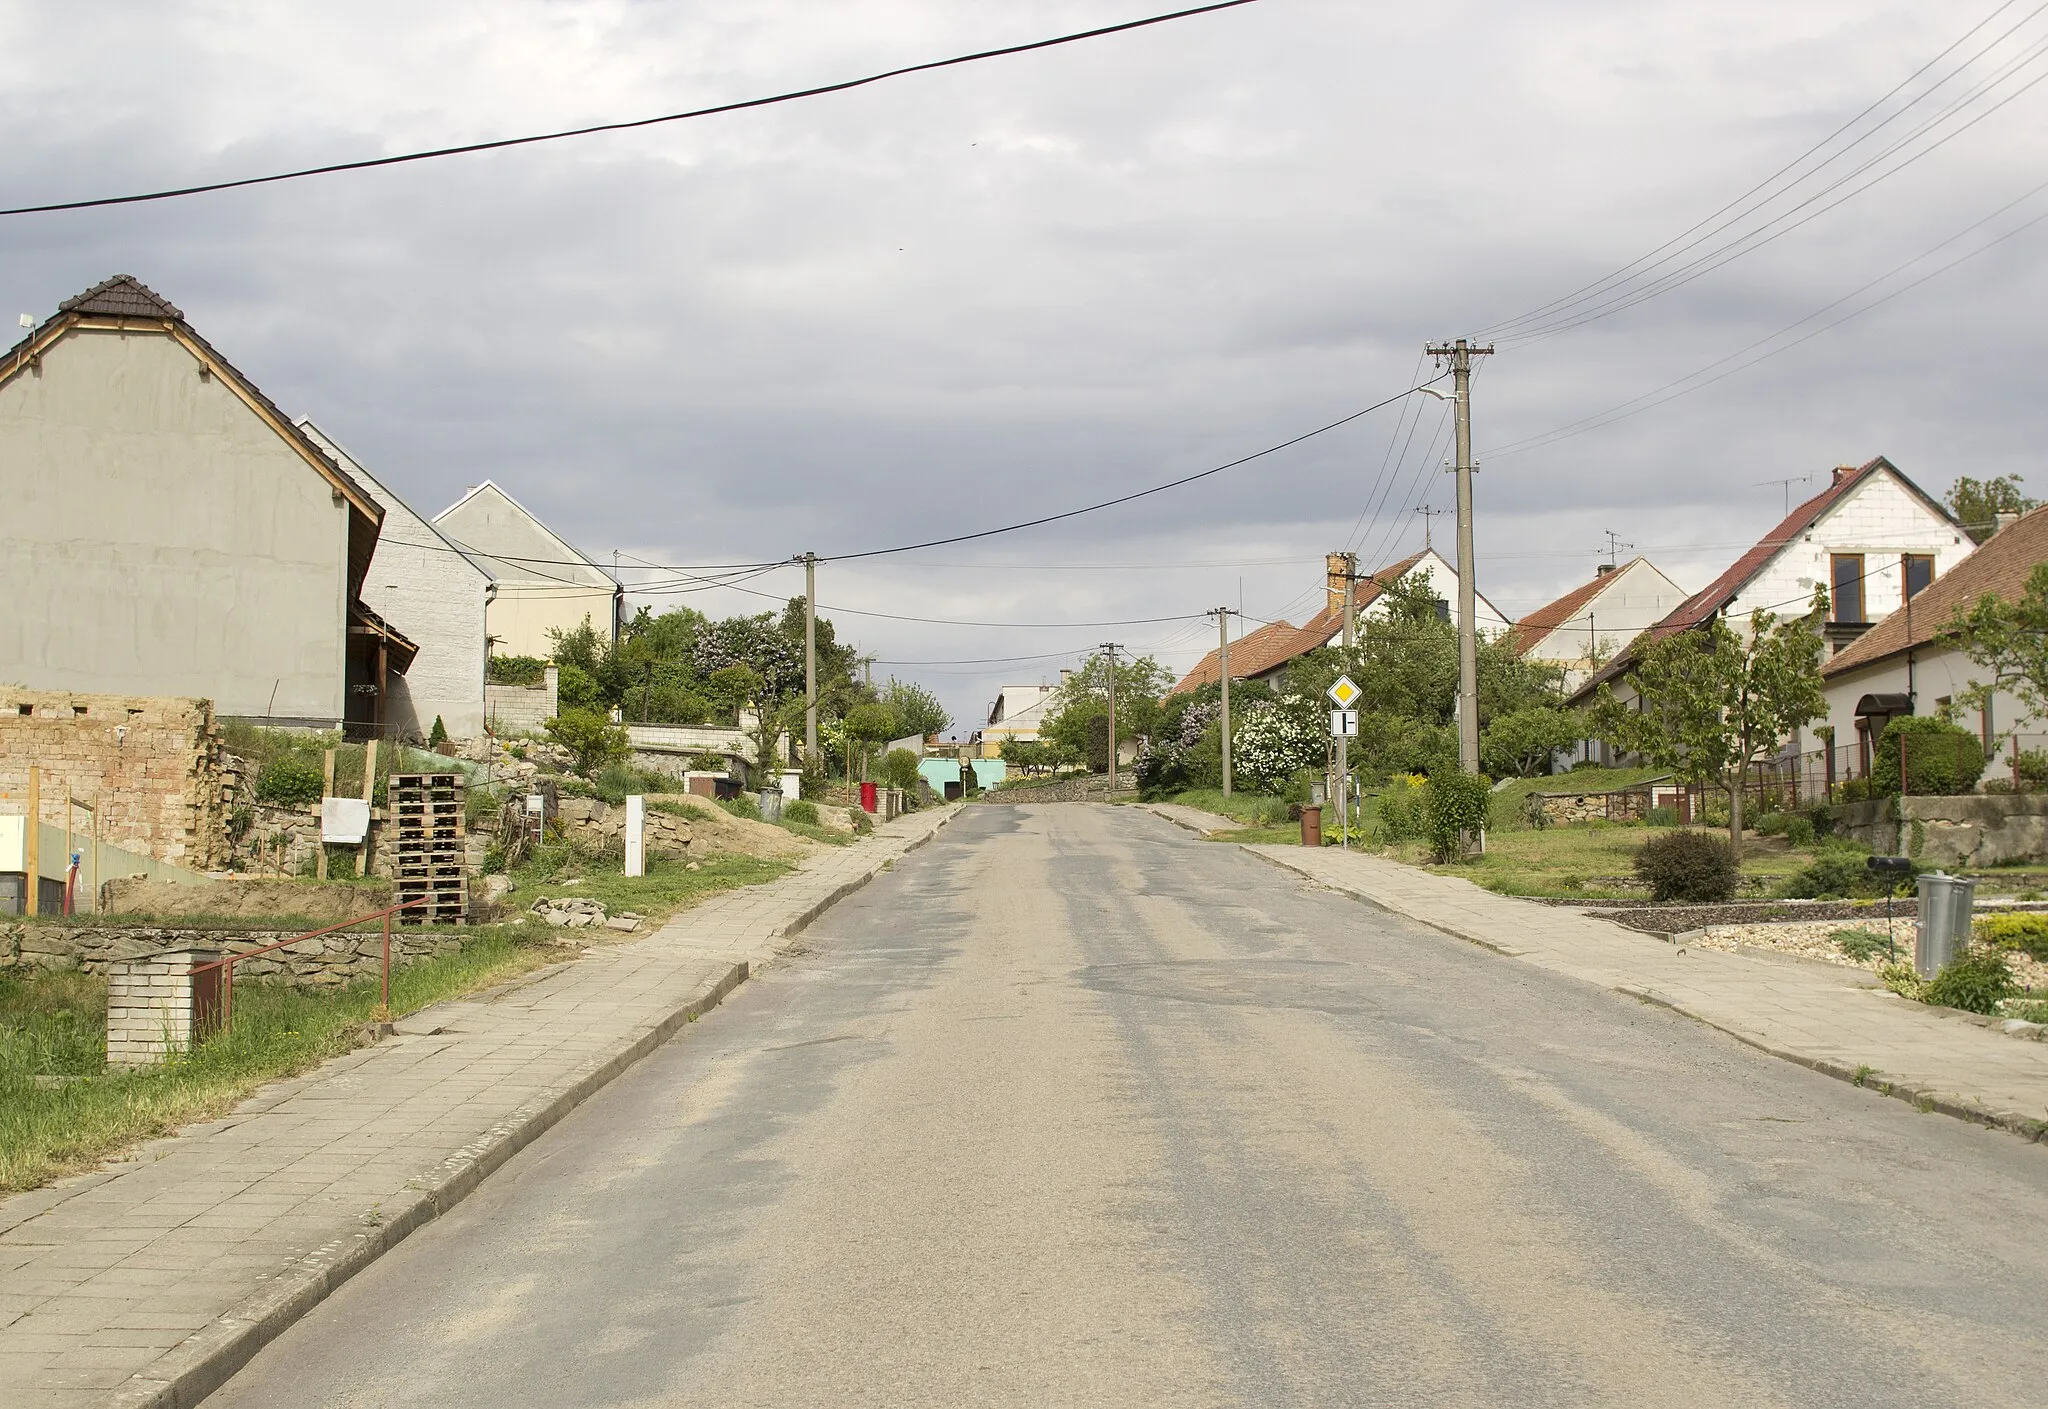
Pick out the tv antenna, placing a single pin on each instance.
(1786, 484)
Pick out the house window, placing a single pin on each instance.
(1918, 573)
(1846, 573)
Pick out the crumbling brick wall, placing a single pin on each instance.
(155, 767)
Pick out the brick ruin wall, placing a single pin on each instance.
(155, 767)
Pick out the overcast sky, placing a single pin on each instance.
(966, 298)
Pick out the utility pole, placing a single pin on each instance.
(809, 658)
(1110, 646)
(1428, 518)
(1461, 354)
(1222, 615)
(1350, 605)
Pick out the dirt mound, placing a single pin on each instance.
(246, 900)
(715, 829)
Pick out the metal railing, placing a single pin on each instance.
(226, 963)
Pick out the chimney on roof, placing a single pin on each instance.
(1602, 569)
(1842, 472)
(1338, 571)
(2005, 521)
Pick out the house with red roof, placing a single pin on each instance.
(1873, 538)
(1597, 620)
(1903, 666)
(1264, 653)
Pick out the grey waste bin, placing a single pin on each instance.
(1946, 903)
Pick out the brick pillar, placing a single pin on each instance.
(156, 1007)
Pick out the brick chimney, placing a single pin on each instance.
(1338, 570)
(1603, 569)
(1842, 472)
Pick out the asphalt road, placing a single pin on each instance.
(1074, 1109)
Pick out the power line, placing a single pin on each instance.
(1552, 318)
(467, 148)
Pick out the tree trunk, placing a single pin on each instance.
(1735, 792)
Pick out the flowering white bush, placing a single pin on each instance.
(1275, 740)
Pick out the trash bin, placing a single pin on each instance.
(1311, 826)
(868, 801)
(1946, 903)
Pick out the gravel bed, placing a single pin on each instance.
(1676, 919)
(1814, 939)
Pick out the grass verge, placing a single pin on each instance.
(53, 1025)
(668, 886)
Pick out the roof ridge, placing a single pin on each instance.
(122, 296)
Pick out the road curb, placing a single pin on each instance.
(208, 1359)
(1871, 1079)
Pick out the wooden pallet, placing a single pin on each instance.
(426, 838)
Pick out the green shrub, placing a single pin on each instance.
(1453, 803)
(591, 738)
(576, 688)
(742, 806)
(290, 780)
(437, 735)
(862, 823)
(1823, 819)
(1662, 817)
(1975, 982)
(1771, 824)
(515, 670)
(2032, 768)
(1861, 945)
(801, 810)
(1833, 875)
(1799, 831)
(1693, 866)
(615, 782)
(1941, 758)
(899, 769)
(2023, 933)
(1399, 815)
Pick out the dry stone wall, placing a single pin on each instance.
(155, 767)
(329, 961)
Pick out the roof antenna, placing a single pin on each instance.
(1613, 544)
(1787, 485)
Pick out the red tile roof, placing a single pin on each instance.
(1544, 620)
(1268, 648)
(2000, 568)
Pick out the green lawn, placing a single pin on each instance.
(1565, 861)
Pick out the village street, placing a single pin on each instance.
(1073, 1107)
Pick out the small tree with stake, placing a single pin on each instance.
(1715, 703)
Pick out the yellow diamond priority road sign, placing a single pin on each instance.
(1345, 692)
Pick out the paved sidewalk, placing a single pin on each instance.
(1830, 1019)
(151, 1281)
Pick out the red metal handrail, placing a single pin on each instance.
(226, 964)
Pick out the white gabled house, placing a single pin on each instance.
(427, 588)
(1596, 621)
(544, 584)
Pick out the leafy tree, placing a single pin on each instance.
(1977, 503)
(576, 688)
(1278, 739)
(867, 725)
(917, 709)
(1084, 696)
(1713, 704)
(593, 741)
(899, 769)
(2009, 639)
(735, 687)
(757, 643)
(1522, 743)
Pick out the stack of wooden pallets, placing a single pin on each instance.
(425, 829)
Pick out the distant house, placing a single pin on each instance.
(1263, 654)
(1873, 538)
(1901, 666)
(1017, 713)
(424, 586)
(170, 532)
(543, 584)
(1597, 620)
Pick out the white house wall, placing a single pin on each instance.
(1636, 597)
(437, 598)
(544, 585)
(1443, 581)
(1935, 675)
(162, 539)
(1882, 520)
(525, 615)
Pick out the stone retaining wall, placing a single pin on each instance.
(1966, 831)
(328, 961)
(1093, 788)
(597, 825)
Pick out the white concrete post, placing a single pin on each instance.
(636, 835)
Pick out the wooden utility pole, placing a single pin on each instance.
(1110, 646)
(1461, 354)
(810, 658)
(1350, 605)
(320, 828)
(1222, 615)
